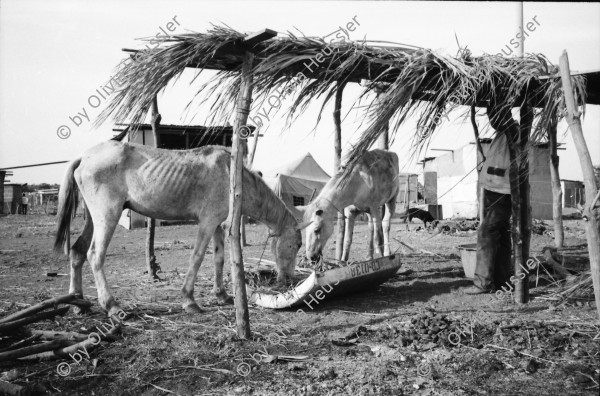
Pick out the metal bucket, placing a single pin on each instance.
(468, 257)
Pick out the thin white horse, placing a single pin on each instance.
(170, 185)
(373, 183)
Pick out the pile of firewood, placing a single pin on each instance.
(17, 342)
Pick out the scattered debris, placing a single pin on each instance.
(458, 226)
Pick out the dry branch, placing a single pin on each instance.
(22, 343)
(85, 345)
(33, 349)
(59, 335)
(66, 299)
(7, 326)
(6, 388)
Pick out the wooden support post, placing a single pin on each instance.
(337, 163)
(501, 120)
(553, 161)
(526, 121)
(151, 265)
(480, 195)
(515, 194)
(242, 316)
(592, 226)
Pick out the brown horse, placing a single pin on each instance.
(169, 185)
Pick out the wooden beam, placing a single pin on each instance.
(592, 226)
(242, 317)
(258, 37)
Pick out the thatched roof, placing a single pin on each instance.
(418, 81)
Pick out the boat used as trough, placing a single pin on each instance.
(319, 285)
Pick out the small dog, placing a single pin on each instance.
(421, 214)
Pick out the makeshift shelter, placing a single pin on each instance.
(418, 82)
(299, 181)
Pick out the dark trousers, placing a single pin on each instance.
(23, 209)
(494, 248)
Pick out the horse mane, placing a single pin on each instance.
(271, 206)
(332, 184)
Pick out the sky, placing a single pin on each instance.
(54, 55)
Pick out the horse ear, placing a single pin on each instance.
(302, 226)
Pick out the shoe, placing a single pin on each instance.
(474, 290)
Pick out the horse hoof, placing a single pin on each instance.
(117, 312)
(192, 309)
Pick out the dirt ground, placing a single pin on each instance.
(357, 344)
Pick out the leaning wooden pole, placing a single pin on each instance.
(337, 164)
(592, 229)
(151, 265)
(553, 162)
(242, 317)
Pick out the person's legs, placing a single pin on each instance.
(24, 209)
(491, 242)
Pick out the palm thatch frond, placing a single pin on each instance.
(149, 71)
(419, 82)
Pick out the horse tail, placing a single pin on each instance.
(68, 199)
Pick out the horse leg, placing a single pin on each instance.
(77, 256)
(390, 208)
(370, 235)
(104, 227)
(202, 240)
(380, 214)
(376, 234)
(219, 260)
(349, 229)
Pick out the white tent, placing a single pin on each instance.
(299, 181)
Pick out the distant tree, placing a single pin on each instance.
(597, 175)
